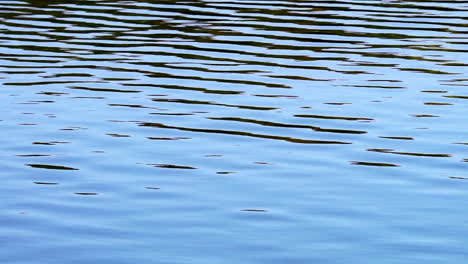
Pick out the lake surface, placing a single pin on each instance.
(230, 132)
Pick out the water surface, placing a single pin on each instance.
(233, 131)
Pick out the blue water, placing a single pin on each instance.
(222, 132)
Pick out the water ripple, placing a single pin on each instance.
(220, 131)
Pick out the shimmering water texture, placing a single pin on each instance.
(228, 132)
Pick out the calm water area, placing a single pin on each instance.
(234, 132)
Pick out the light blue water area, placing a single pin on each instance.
(179, 132)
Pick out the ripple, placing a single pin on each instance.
(228, 131)
(172, 166)
(436, 155)
(241, 133)
(50, 167)
(378, 164)
(46, 183)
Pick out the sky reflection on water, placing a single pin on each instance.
(233, 131)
